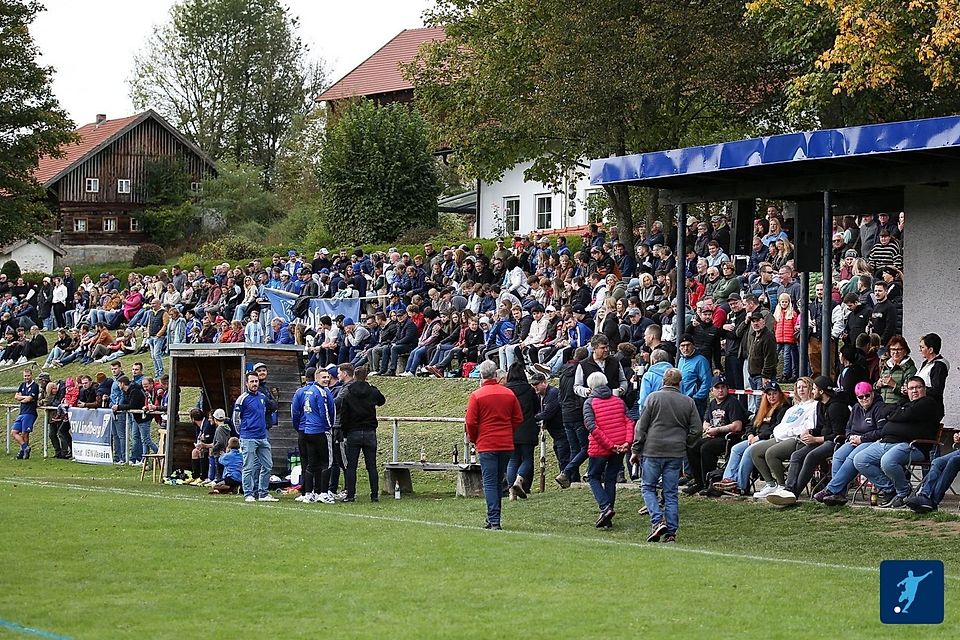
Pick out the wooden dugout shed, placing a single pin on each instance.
(218, 371)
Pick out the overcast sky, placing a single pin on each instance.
(91, 43)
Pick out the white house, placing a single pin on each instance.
(513, 204)
(32, 254)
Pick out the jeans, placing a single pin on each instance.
(791, 359)
(940, 476)
(756, 383)
(364, 440)
(442, 356)
(667, 469)
(119, 436)
(521, 464)
(602, 476)
(843, 469)
(561, 447)
(493, 467)
(578, 439)
(257, 464)
(158, 345)
(139, 318)
(55, 354)
(885, 465)
(740, 464)
(415, 358)
(396, 351)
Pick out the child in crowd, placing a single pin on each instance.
(221, 437)
(232, 464)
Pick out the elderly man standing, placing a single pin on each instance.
(668, 425)
(493, 414)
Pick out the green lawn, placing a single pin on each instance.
(94, 553)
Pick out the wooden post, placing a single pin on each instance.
(173, 405)
(396, 441)
(8, 430)
(46, 431)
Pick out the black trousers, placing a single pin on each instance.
(365, 441)
(60, 438)
(703, 456)
(337, 462)
(306, 474)
(316, 452)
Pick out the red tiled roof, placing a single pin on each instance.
(91, 137)
(380, 73)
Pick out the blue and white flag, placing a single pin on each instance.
(282, 301)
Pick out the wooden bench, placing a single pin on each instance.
(469, 479)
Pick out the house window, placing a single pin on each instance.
(511, 211)
(93, 185)
(109, 224)
(134, 224)
(544, 211)
(196, 187)
(79, 225)
(123, 186)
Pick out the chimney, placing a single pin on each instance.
(101, 118)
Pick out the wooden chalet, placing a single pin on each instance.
(97, 187)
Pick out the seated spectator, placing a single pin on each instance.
(769, 455)
(722, 425)
(937, 481)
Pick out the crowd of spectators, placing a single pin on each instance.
(537, 302)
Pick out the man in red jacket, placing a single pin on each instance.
(493, 414)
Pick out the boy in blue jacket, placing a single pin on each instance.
(232, 463)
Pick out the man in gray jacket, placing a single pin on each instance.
(668, 425)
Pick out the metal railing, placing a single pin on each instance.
(396, 420)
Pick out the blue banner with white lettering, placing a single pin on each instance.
(91, 431)
(282, 301)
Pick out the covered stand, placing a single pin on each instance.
(218, 372)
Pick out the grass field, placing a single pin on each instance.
(93, 553)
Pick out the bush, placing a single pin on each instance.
(452, 224)
(231, 248)
(148, 254)
(11, 269)
(168, 225)
(34, 277)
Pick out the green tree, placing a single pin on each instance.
(32, 124)
(237, 196)
(856, 61)
(231, 74)
(377, 174)
(533, 80)
(166, 182)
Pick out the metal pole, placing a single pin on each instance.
(804, 324)
(8, 430)
(681, 313)
(396, 440)
(466, 446)
(173, 407)
(46, 431)
(825, 348)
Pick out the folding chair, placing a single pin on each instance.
(919, 469)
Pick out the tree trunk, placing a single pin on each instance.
(620, 199)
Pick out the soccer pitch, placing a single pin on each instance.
(93, 553)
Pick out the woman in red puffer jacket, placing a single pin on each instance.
(611, 434)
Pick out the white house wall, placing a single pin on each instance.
(493, 198)
(31, 257)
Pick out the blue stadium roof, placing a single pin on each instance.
(790, 156)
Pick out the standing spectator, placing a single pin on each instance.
(895, 372)
(695, 373)
(868, 233)
(312, 412)
(785, 327)
(493, 414)
(520, 467)
(934, 369)
(28, 393)
(156, 322)
(669, 423)
(358, 419)
(885, 254)
(611, 433)
(885, 316)
(551, 417)
(251, 417)
(571, 405)
(119, 435)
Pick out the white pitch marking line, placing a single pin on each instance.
(452, 525)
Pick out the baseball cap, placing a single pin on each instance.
(634, 312)
(219, 414)
(324, 251)
(332, 370)
(756, 315)
(686, 338)
(550, 307)
(664, 304)
(719, 381)
(258, 365)
(733, 296)
(771, 386)
(291, 253)
(348, 322)
(850, 253)
(823, 383)
(579, 308)
(484, 320)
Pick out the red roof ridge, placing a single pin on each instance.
(380, 72)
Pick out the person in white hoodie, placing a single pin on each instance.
(537, 336)
(798, 419)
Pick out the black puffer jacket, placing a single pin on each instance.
(527, 432)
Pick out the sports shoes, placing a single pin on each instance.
(20, 454)
(656, 531)
(267, 498)
(26, 453)
(518, 486)
(691, 488)
(782, 497)
(834, 500)
(249, 499)
(348, 499)
(492, 527)
(542, 368)
(513, 493)
(22, 360)
(563, 480)
(324, 498)
(920, 504)
(670, 538)
(303, 497)
(341, 495)
(766, 491)
(896, 502)
(727, 484)
(407, 374)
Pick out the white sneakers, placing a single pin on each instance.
(766, 491)
(324, 498)
(249, 499)
(406, 374)
(303, 497)
(782, 497)
(267, 498)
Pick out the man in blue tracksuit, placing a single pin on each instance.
(250, 418)
(312, 412)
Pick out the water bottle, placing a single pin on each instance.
(396, 491)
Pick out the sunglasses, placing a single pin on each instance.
(865, 396)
